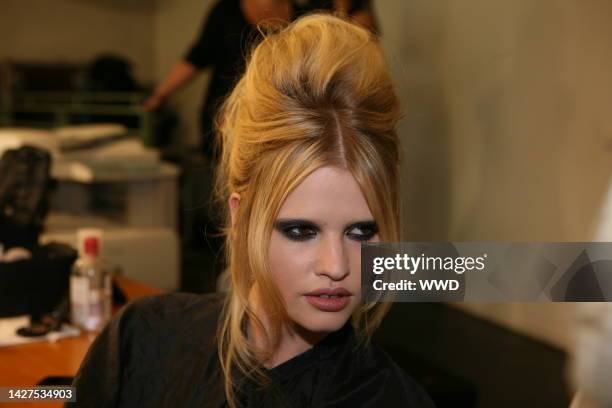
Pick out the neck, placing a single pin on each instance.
(294, 340)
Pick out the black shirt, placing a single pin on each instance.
(328, 5)
(223, 43)
(160, 351)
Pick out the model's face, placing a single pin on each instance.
(315, 249)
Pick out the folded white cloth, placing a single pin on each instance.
(13, 138)
(89, 135)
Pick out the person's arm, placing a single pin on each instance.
(202, 53)
(182, 72)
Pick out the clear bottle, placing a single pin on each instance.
(90, 284)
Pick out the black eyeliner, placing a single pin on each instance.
(370, 227)
(288, 223)
(365, 224)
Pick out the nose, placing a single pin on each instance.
(332, 259)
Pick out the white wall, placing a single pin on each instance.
(78, 30)
(177, 24)
(508, 130)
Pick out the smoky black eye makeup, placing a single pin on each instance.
(362, 231)
(303, 230)
(296, 230)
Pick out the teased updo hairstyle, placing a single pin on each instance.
(317, 93)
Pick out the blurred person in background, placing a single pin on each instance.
(359, 11)
(221, 45)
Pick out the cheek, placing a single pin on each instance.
(288, 263)
(354, 259)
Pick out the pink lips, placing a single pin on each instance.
(322, 299)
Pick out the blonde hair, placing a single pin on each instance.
(315, 94)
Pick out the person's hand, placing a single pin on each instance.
(152, 102)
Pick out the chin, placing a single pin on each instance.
(313, 320)
(322, 322)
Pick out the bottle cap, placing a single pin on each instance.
(89, 241)
(91, 246)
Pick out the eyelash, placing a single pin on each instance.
(287, 232)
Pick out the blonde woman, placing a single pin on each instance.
(309, 171)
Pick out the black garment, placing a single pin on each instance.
(222, 45)
(160, 352)
(328, 5)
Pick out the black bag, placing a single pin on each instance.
(25, 188)
(37, 285)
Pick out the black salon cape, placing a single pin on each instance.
(159, 351)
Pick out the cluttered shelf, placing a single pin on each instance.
(99, 176)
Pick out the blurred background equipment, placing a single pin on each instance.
(33, 277)
(49, 95)
(25, 188)
(108, 172)
(119, 186)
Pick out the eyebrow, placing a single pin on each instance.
(288, 222)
